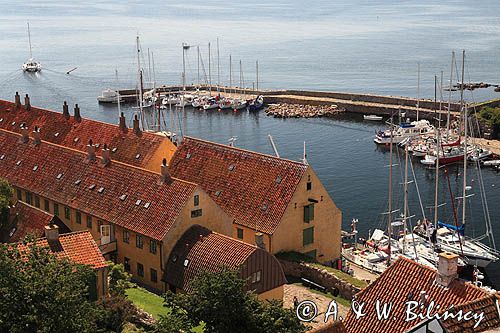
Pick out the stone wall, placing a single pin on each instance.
(319, 276)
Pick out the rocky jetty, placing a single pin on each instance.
(302, 111)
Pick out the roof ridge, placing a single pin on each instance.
(83, 153)
(236, 239)
(245, 150)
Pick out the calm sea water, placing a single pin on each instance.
(357, 46)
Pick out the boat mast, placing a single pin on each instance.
(184, 46)
(209, 71)
(389, 224)
(198, 68)
(118, 94)
(449, 94)
(405, 213)
(257, 73)
(436, 185)
(139, 74)
(418, 89)
(218, 67)
(29, 39)
(464, 185)
(230, 73)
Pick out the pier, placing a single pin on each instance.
(350, 102)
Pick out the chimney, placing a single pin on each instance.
(27, 104)
(165, 174)
(51, 232)
(90, 151)
(17, 100)
(65, 110)
(77, 116)
(122, 124)
(137, 130)
(259, 240)
(36, 136)
(24, 132)
(447, 268)
(105, 155)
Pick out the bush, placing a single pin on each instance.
(119, 280)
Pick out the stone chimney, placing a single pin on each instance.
(259, 240)
(105, 159)
(65, 110)
(51, 232)
(36, 136)
(24, 133)
(17, 100)
(137, 129)
(164, 172)
(77, 116)
(27, 104)
(447, 268)
(122, 123)
(91, 151)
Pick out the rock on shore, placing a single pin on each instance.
(302, 111)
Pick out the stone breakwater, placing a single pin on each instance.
(285, 110)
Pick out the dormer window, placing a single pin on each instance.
(114, 150)
(100, 190)
(123, 197)
(91, 187)
(147, 204)
(78, 182)
(35, 168)
(59, 176)
(138, 202)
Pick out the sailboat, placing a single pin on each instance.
(31, 65)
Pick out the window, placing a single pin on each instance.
(67, 213)
(308, 236)
(308, 213)
(138, 241)
(309, 186)
(152, 246)
(28, 197)
(154, 275)
(78, 217)
(19, 195)
(239, 232)
(37, 201)
(140, 269)
(56, 209)
(196, 200)
(255, 277)
(126, 264)
(46, 204)
(196, 213)
(89, 221)
(126, 237)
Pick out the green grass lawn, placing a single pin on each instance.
(149, 302)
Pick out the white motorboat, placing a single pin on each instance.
(479, 154)
(404, 131)
(31, 65)
(372, 117)
(238, 104)
(109, 96)
(491, 163)
(372, 260)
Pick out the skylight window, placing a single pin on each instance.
(114, 150)
(264, 207)
(147, 204)
(218, 193)
(18, 162)
(35, 168)
(91, 187)
(56, 135)
(188, 156)
(278, 180)
(78, 182)
(1, 119)
(13, 123)
(123, 197)
(137, 156)
(186, 263)
(75, 140)
(231, 167)
(100, 190)
(138, 202)
(59, 176)
(2, 157)
(97, 145)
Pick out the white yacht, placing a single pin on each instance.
(31, 65)
(109, 96)
(404, 131)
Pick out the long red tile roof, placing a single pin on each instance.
(253, 188)
(25, 219)
(208, 251)
(130, 148)
(404, 281)
(78, 247)
(35, 168)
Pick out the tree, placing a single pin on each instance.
(119, 279)
(41, 293)
(6, 192)
(220, 301)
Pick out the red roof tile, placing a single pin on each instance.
(81, 181)
(25, 219)
(208, 251)
(403, 281)
(131, 148)
(79, 247)
(253, 188)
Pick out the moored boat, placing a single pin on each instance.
(372, 117)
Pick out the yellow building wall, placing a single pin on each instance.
(327, 222)
(249, 235)
(276, 293)
(165, 150)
